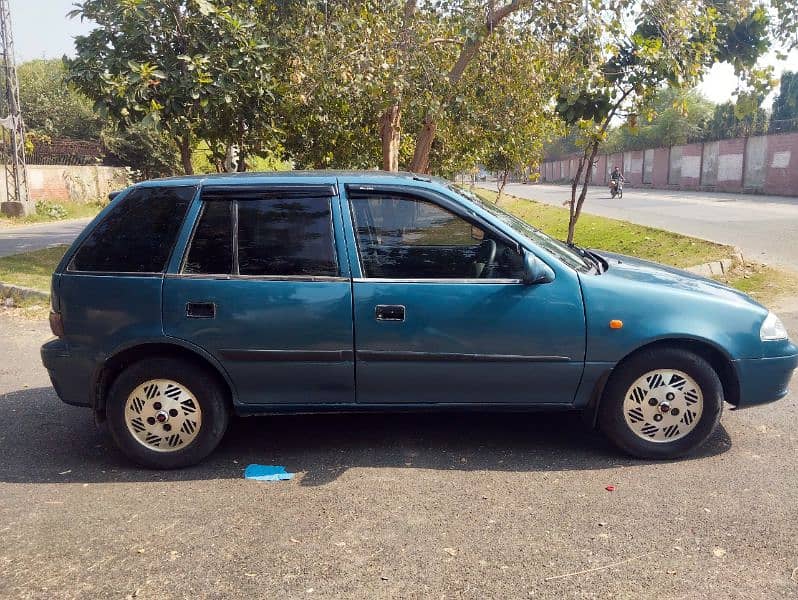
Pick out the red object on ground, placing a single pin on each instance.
(610, 488)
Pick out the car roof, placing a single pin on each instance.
(298, 177)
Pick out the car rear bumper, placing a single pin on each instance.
(764, 380)
(70, 380)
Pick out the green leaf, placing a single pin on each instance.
(205, 7)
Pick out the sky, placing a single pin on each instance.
(42, 30)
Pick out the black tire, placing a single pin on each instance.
(207, 393)
(611, 411)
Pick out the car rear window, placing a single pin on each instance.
(137, 236)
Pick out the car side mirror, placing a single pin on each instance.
(536, 271)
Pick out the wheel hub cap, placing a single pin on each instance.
(163, 415)
(663, 405)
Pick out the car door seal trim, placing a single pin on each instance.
(393, 356)
(320, 356)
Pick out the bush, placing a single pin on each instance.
(50, 210)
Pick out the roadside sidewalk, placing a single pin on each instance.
(16, 239)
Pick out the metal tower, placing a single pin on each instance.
(13, 128)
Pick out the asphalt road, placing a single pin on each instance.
(410, 506)
(764, 227)
(16, 239)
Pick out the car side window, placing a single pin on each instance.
(286, 237)
(403, 237)
(137, 236)
(212, 245)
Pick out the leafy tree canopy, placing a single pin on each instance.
(680, 117)
(785, 105)
(51, 106)
(197, 68)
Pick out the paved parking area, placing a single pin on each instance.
(386, 506)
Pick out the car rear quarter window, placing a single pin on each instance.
(212, 246)
(286, 237)
(137, 236)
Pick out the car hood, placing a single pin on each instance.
(646, 272)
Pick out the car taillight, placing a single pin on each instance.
(56, 324)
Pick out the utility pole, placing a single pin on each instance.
(17, 202)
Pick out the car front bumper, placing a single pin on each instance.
(764, 380)
(69, 377)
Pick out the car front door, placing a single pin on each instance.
(263, 289)
(441, 314)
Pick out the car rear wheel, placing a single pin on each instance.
(166, 413)
(661, 403)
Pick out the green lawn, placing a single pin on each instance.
(31, 269)
(615, 236)
(73, 210)
(764, 283)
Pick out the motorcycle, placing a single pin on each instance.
(616, 188)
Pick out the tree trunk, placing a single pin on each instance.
(588, 175)
(501, 183)
(592, 148)
(426, 136)
(470, 48)
(586, 166)
(184, 144)
(572, 216)
(230, 163)
(390, 131)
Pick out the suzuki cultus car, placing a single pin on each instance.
(188, 300)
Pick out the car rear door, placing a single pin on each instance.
(435, 324)
(109, 292)
(264, 287)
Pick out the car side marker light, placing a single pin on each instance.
(616, 324)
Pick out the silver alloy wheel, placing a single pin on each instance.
(163, 415)
(663, 405)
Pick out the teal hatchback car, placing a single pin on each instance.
(191, 299)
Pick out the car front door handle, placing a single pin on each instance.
(390, 312)
(200, 310)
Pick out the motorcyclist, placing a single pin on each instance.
(616, 178)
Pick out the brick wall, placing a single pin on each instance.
(766, 164)
(731, 154)
(690, 173)
(71, 183)
(781, 168)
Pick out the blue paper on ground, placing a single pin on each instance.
(267, 473)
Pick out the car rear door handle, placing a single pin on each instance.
(390, 312)
(200, 310)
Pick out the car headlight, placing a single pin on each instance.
(772, 329)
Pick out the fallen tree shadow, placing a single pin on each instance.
(45, 441)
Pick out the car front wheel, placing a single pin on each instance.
(661, 403)
(166, 413)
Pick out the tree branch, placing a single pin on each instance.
(471, 46)
(444, 41)
(410, 9)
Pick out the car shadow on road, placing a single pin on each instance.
(45, 441)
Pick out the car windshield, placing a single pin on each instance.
(561, 250)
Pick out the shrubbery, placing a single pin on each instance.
(50, 210)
